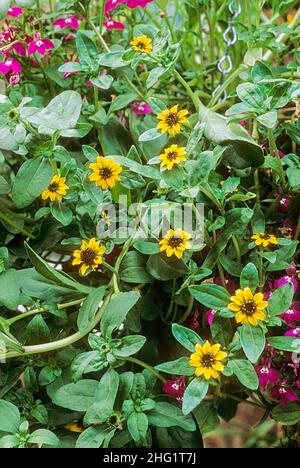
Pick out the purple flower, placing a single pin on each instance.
(112, 4)
(284, 394)
(37, 44)
(210, 316)
(71, 21)
(141, 108)
(295, 333)
(138, 3)
(287, 279)
(175, 388)
(112, 24)
(14, 79)
(292, 315)
(266, 375)
(15, 12)
(10, 65)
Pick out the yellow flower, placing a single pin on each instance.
(264, 239)
(248, 307)
(89, 256)
(106, 173)
(74, 426)
(105, 218)
(207, 360)
(56, 190)
(175, 242)
(172, 156)
(171, 120)
(142, 44)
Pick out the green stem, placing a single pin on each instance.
(146, 366)
(283, 37)
(194, 98)
(188, 310)
(170, 309)
(249, 16)
(237, 248)
(274, 151)
(7, 220)
(42, 310)
(222, 275)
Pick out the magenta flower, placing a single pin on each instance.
(112, 24)
(14, 79)
(15, 12)
(141, 108)
(18, 48)
(292, 315)
(287, 279)
(71, 21)
(37, 44)
(284, 394)
(193, 322)
(138, 3)
(10, 65)
(112, 4)
(175, 388)
(284, 203)
(295, 333)
(210, 316)
(266, 375)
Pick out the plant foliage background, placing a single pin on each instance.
(120, 342)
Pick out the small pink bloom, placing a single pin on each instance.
(210, 316)
(284, 203)
(18, 48)
(292, 315)
(295, 333)
(287, 279)
(138, 3)
(111, 24)
(175, 388)
(37, 44)
(15, 12)
(10, 65)
(69, 22)
(284, 394)
(112, 4)
(288, 224)
(14, 79)
(230, 284)
(266, 375)
(141, 108)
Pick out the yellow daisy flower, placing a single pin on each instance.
(248, 307)
(89, 256)
(172, 156)
(264, 239)
(74, 426)
(207, 360)
(175, 242)
(106, 173)
(171, 119)
(142, 44)
(56, 190)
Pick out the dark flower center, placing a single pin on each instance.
(175, 242)
(105, 173)
(53, 187)
(172, 119)
(141, 45)
(249, 308)
(265, 237)
(88, 256)
(207, 360)
(172, 156)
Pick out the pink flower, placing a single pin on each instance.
(210, 316)
(15, 12)
(138, 3)
(18, 48)
(141, 108)
(193, 321)
(284, 203)
(10, 65)
(112, 24)
(37, 44)
(287, 279)
(295, 333)
(292, 315)
(112, 4)
(266, 375)
(175, 388)
(71, 21)
(284, 394)
(14, 79)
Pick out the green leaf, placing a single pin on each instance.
(287, 415)
(168, 415)
(133, 269)
(150, 135)
(62, 213)
(194, 395)
(173, 178)
(84, 363)
(221, 330)
(32, 178)
(163, 268)
(89, 309)
(253, 342)
(122, 101)
(87, 51)
(117, 310)
(147, 248)
(268, 120)
(4, 186)
(43, 437)
(178, 367)
(105, 397)
(129, 345)
(137, 425)
(211, 295)
(285, 343)
(207, 417)
(249, 277)
(9, 441)
(9, 417)
(244, 372)
(93, 437)
(186, 337)
(281, 299)
(77, 396)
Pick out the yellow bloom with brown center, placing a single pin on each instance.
(106, 172)
(264, 240)
(171, 119)
(208, 360)
(89, 256)
(172, 157)
(142, 44)
(56, 190)
(248, 307)
(74, 426)
(175, 242)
